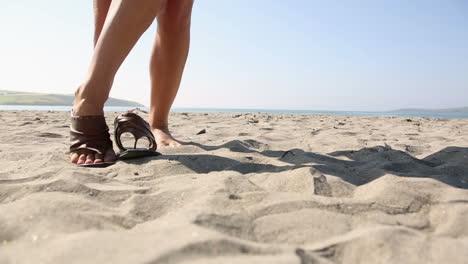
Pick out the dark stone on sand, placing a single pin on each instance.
(321, 186)
(315, 131)
(408, 120)
(136, 173)
(203, 131)
(49, 135)
(234, 197)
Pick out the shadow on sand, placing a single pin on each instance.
(449, 165)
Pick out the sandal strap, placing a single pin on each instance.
(90, 133)
(132, 123)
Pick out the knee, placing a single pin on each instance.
(176, 17)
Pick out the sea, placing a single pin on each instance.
(428, 114)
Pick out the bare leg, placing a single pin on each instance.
(170, 53)
(101, 8)
(125, 23)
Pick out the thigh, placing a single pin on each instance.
(101, 8)
(176, 13)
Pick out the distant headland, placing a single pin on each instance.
(26, 98)
(444, 110)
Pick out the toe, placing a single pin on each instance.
(98, 158)
(89, 159)
(74, 157)
(81, 159)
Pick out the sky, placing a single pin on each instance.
(263, 54)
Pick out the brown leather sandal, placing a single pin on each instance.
(90, 133)
(132, 123)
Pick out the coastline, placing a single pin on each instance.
(396, 113)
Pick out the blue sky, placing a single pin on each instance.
(298, 54)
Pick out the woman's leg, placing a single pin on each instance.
(170, 53)
(125, 23)
(101, 8)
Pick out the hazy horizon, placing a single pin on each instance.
(298, 55)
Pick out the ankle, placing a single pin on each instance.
(158, 123)
(161, 126)
(87, 101)
(86, 105)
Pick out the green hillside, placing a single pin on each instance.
(25, 98)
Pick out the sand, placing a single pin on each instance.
(255, 188)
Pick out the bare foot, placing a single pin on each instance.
(82, 108)
(164, 137)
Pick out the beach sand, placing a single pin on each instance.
(255, 188)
